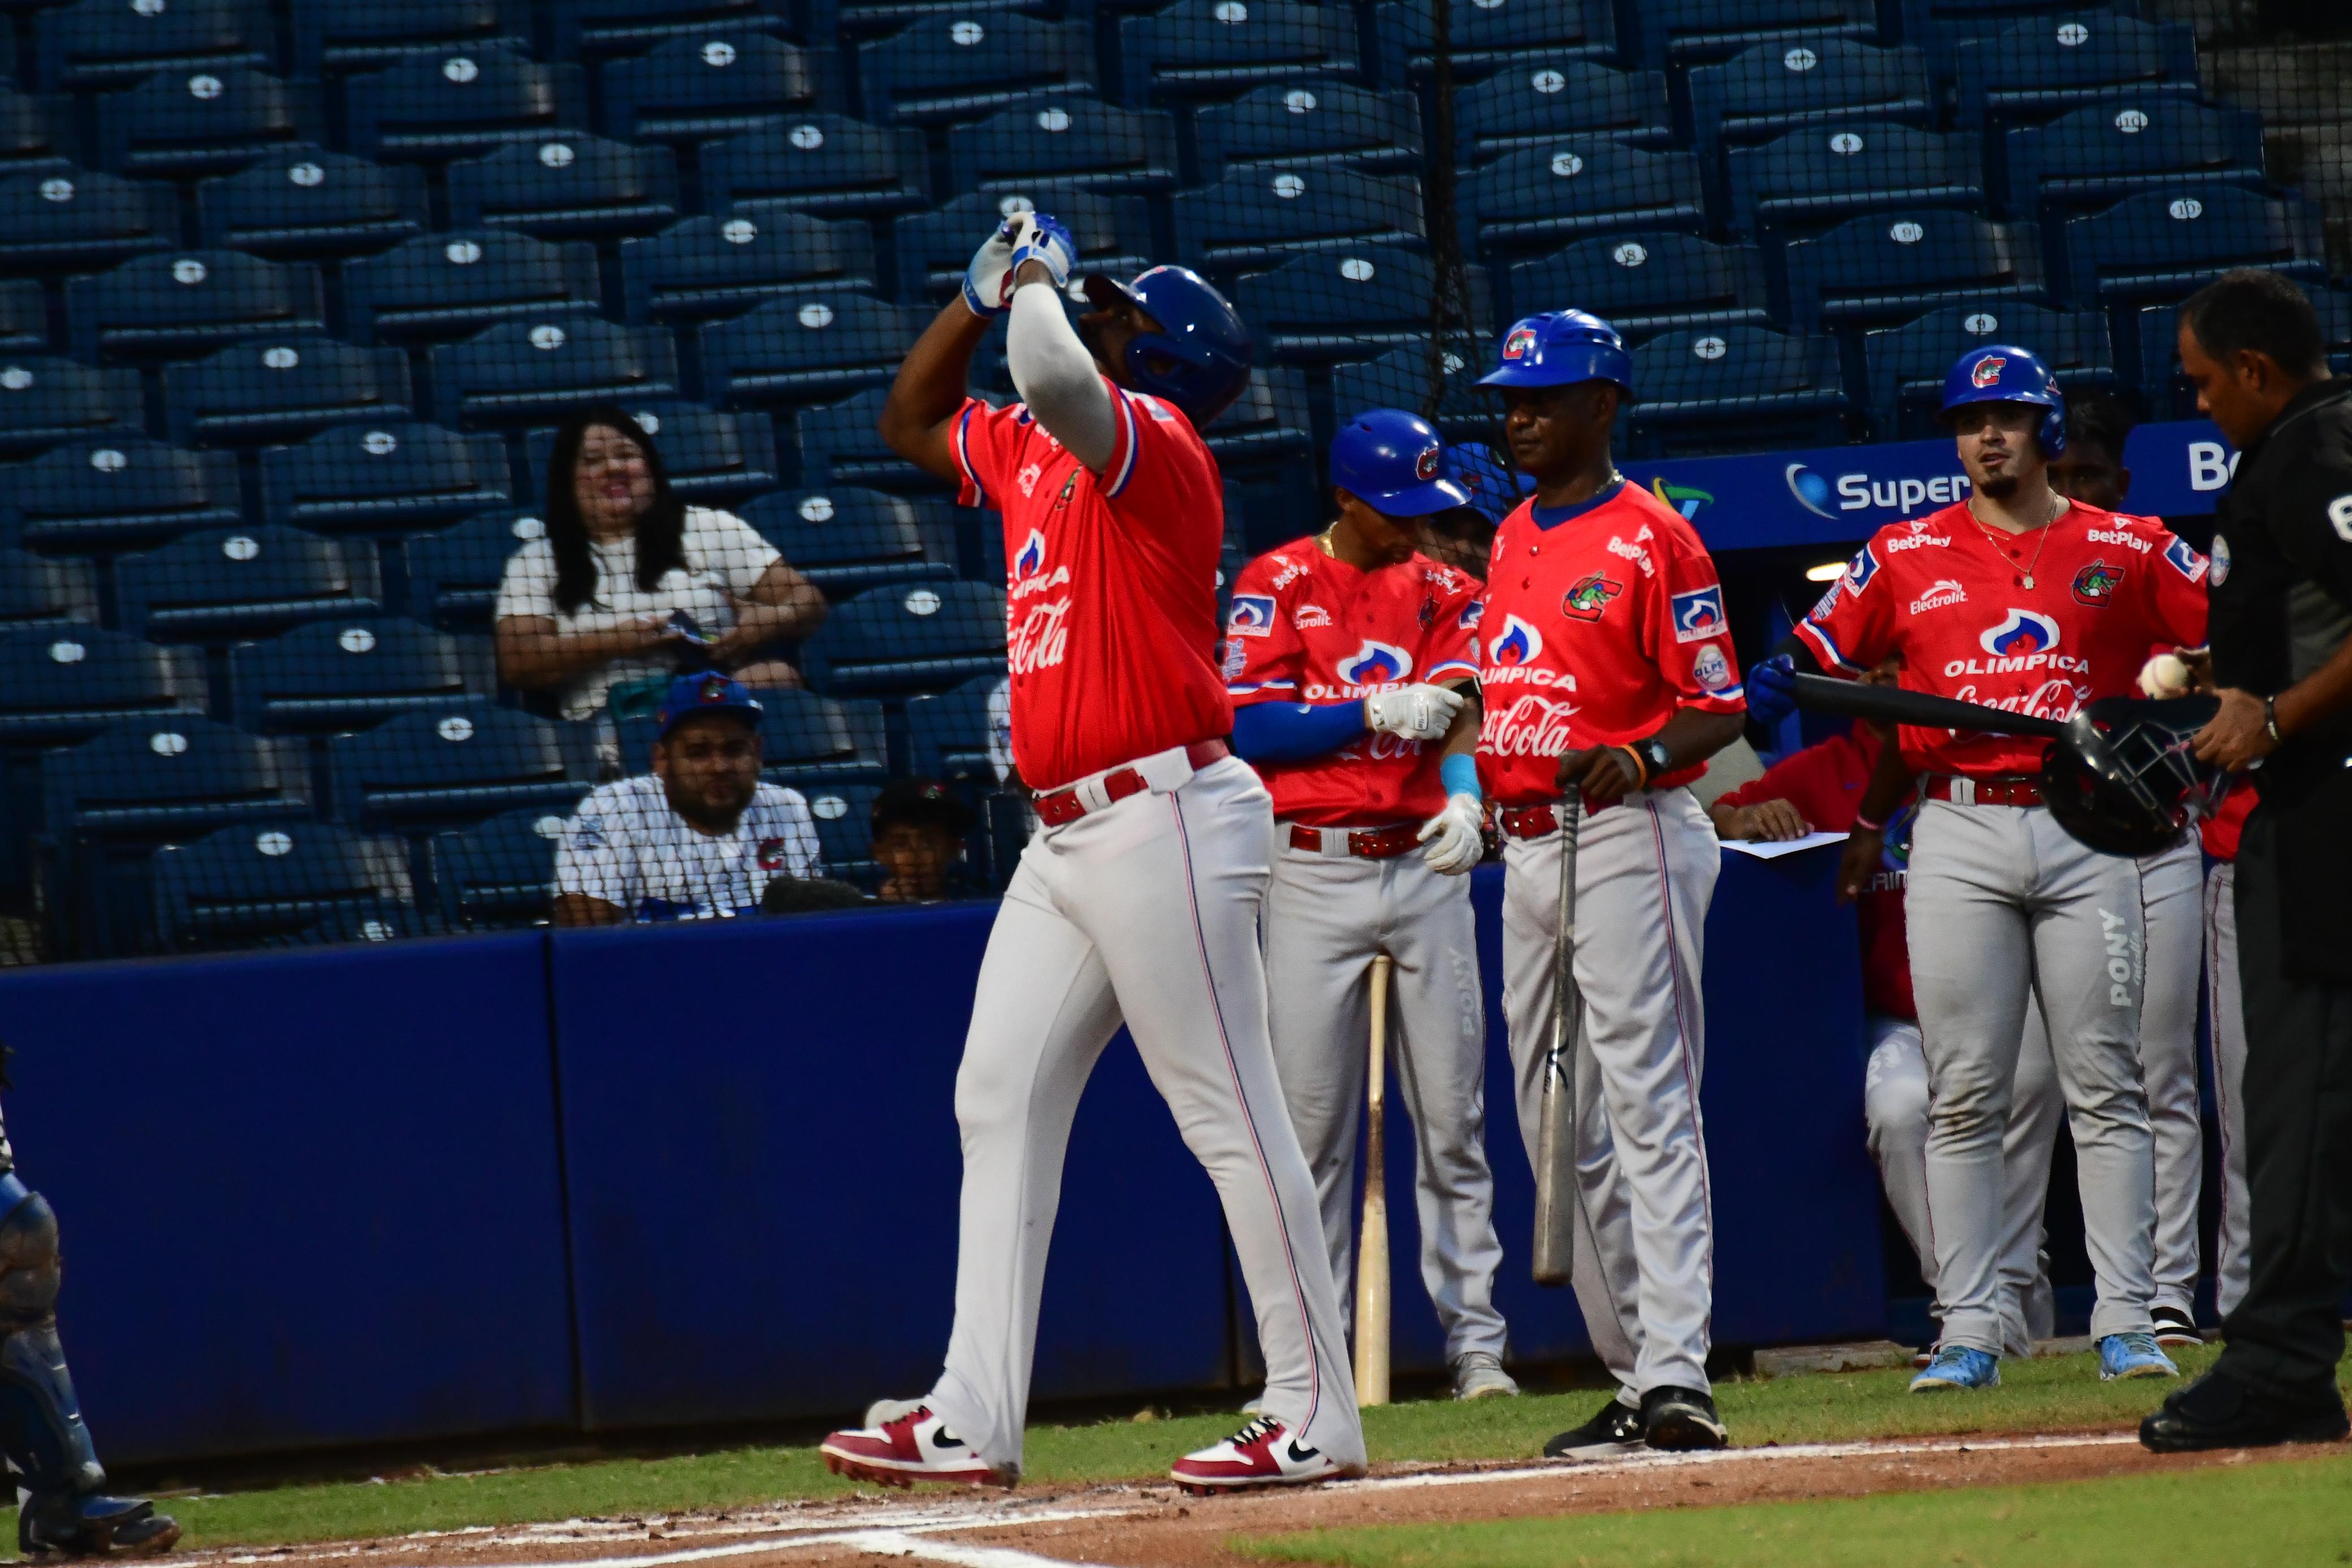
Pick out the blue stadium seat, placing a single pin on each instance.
(807, 349)
(436, 289)
(924, 636)
(46, 399)
(1534, 102)
(1400, 379)
(843, 814)
(455, 762)
(36, 134)
(304, 205)
(461, 103)
(948, 733)
(599, 29)
(24, 316)
(704, 267)
(348, 674)
(336, 37)
(857, 20)
(1325, 125)
(383, 478)
(714, 459)
(63, 684)
(1482, 39)
(82, 222)
(525, 372)
(1259, 219)
(1350, 305)
(1647, 283)
(1543, 197)
(364, 920)
(242, 886)
(1099, 145)
(839, 444)
(178, 125)
(1889, 268)
(1219, 48)
(96, 498)
(1734, 389)
(37, 591)
(567, 187)
(961, 66)
(454, 575)
(824, 165)
(500, 874)
(1113, 234)
(694, 90)
(1774, 89)
(2110, 151)
(107, 43)
(1906, 364)
(805, 739)
(847, 540)
(283, 389)
(1686, 31)
(238, 583)
(1820, 176)
(178, 305)
(2166, 393)
(2164, 243)
(1268, 421)
(2049, 66)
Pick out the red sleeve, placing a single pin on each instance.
(1451, 652)
(986, 442)
(2177, 589)
(1264, 658)
(1853, 627)
(1692, 632)
(1812, 780)
(1151, 443)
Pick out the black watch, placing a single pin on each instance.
(1654, 757)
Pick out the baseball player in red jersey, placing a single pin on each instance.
(1351, 659)
(1137, 899)
(1608, 671)
(2233, 1231)
(2014, 598)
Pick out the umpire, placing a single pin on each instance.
(2281, 588)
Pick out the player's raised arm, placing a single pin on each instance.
(931, 388)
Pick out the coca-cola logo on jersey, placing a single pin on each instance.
(1531, 727)
(2050, 699)
(1040, 641)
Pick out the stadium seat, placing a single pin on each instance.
(118, 493)
(304, 205)
(36, 591)
(1259, 219)
(46, 399)
(827, 166)
(806, 350)
(1535, 102)
(364, 920)
(282, 388)
(1219, 48)
(839, 444)
(948, 733)
(454, 762)
(239, 583)
(843, 814)
(82, 221)
(713, 459)
(2164, 243)
(1773, 88)
(351, 673)
(1482, 39)
(2050, 64)
(336, 37)
(704, 267)
(599, 29)
(1350, 305)
(567, 187)
(524, 372)
(1647, 283)
(805, 739)
(181, 304)
(36, 134)
(1269, 420)
(2166, 393)
(2110, 151)
(436, 289)
(693, 90)
(1113, 234)
(1888, 268)
(1077, 140)
(500, 874)
(1732, 389)
(63, 684)
(178, 125)
(24, 316)
(383, 478)
(924, 636)
(1400, 379)
(238, 886)
(1543, 197)
(454, 575)
(1821, 175)
(109, 43)
(461, 103)
(1686, 31)
(845, 539)
(1906, 364)
(958, 65)
(1323, 126)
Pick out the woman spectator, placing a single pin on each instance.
(631, 583)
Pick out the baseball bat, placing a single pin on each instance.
(1825, 694)
(1372, 1252)
(1556, 1193)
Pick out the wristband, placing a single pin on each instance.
(2270, 721)
(1866, 825)
(1459, 774)
(1639, 762)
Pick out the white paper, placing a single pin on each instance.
(1769, 850)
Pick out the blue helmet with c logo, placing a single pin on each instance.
(1559, 349)
(2002, 372)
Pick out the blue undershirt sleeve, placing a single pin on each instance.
(1459, 773)
(1292, 732)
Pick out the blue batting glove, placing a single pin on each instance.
(1040, 237)
(1772, 690)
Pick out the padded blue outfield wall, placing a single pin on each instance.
(605, 1179)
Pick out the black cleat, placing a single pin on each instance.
(1681, 1418)
(2175, 1327)
(93, 1525)
(1615, 1431)
(2217, 1411)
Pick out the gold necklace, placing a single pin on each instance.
(1990, 538)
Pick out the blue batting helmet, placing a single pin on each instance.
(1561, 347)
(1393, 461)
(2002, 372)
(1199, 358)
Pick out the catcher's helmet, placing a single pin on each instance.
(2001, 373)
(1199, 358)
(1393, 462)
(1561, 347)
(2123, 779)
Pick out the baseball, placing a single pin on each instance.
(2166, 675)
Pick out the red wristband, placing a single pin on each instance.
(1866, 825)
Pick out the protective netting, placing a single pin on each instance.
(396, 395)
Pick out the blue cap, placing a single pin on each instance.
(2002, 372)
(1562, 347)
(1393, 462)
(1493, 489)
(710, 692)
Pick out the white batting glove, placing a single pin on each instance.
(987, 282)
(2166, 675)
(1037, 237)
(1451, 835)
(1415, 712)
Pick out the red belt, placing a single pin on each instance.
(2008, 789)
(1055, 806)
(1375, 843)
(1527, 821)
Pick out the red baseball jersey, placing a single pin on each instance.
(1596, 631)
(1949, 597)
(1307, 627)
(1110, 609)
(2222, 830)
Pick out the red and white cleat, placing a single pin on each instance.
(916, 1446)
(1262, 1454)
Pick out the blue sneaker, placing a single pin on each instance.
(2133, 1355)
(1957, 1366)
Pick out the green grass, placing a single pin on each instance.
(2255, 1515)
